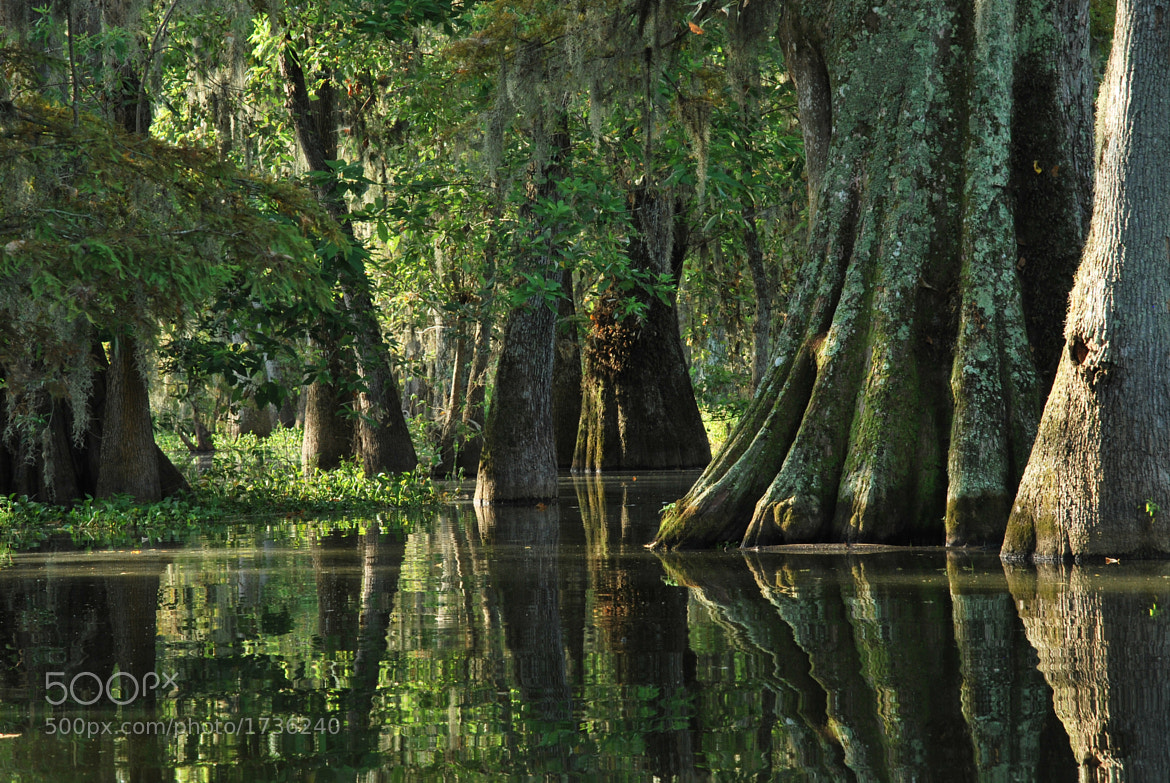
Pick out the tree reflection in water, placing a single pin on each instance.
(547, 643)
(1104, 645)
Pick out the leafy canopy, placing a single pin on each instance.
(108, 234)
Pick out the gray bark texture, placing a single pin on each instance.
(1098, 474)
(903, 387)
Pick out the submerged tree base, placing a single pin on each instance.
(904, 388)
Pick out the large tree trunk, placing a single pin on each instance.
(1097, 477)
(518, 463)
(903, 384)
(128, 462)
(384, 444)
(638, 409)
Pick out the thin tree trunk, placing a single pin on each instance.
(453, 420)
(383, 440)
(203, 442)
(1096, 480)
(471, 447)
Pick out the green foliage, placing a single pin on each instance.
(254, 476)
(248, 479)
(109, 234)
(443, 117)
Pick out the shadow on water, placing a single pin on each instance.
(547, 643)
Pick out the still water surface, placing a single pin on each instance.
(549, 644)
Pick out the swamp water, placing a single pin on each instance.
(549, 644)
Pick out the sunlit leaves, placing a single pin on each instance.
(124, 232)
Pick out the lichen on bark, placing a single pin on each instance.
(1096, 479)
(903, 389)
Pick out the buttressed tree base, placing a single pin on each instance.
(947, 148)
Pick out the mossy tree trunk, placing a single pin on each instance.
(518, 463)
(638, 408)
(1097, 478)
(903, 386)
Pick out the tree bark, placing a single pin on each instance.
(129, 465)
(382, 438)
(250, 420)
(858, 432)
(518, 463)
(1097, 480)
(328, 429)
(566, 391)
(638, 409)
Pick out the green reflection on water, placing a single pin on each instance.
(548, 644)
